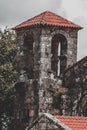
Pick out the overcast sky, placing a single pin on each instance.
(13, 12)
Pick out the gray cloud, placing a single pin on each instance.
(76, 11)
(13, 12)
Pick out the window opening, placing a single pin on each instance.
(59, 52)
(29, 55)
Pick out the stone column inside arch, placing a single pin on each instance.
(72, 48)
(45, 67)
(45, 53)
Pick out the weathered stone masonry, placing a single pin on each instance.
(44, 53)
(42, 47)
(35, 67)
(75, 79)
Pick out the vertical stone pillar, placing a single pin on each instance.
(45, 67)
(36, 51)
(45, 52)
(72, 48)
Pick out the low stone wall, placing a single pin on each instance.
(76, 76)
(75, 79)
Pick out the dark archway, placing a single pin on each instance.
(59, 52)
(29, 56)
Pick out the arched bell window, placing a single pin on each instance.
(59, 52)
(28, 42)
(29, 55)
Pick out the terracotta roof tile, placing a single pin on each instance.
(50, 19)
(73, 122)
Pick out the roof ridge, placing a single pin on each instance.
(31, 18)
(50, 19)
(78, 117)
(43, 14)
(62, 17)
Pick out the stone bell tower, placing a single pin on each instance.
(46, 46)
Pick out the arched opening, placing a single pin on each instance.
(29, 56)
(59, 52)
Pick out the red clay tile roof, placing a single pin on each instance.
(73, 122)
(48, 18)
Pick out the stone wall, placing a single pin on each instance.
(75, 79)
(23, 60)
(46, 45)
(39, 89)
(27, 103)
(42, 49)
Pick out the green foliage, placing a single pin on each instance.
(7, 76)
